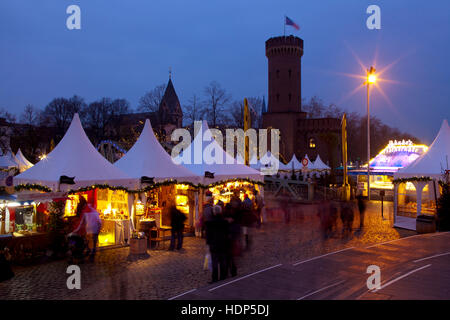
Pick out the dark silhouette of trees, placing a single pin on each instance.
(59, 113)
(216, 99)
(380, 133)
(151, 100)
(192, 110)
(102, 118)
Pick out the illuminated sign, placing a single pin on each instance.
(398, 154)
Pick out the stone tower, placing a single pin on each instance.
(299, 135)
(284, 57)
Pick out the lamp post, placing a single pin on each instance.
(371, 78)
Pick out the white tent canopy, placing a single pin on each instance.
(75, 156)
(434, 161)
(226, 168)
(319, 165)
(293, 164)
(23, 162)
(147, 158)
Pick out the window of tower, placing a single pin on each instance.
(278, 74)
(290, 96)
(290, 72)
(278, 97)
(312, 143)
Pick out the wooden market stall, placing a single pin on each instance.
(416, 187)
(162, 183)
(220, 172)
(77, 168)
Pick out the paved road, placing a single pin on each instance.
(415, 267)
(166, 274)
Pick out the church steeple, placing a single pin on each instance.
(170, 111)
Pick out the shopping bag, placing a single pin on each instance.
(207, 264)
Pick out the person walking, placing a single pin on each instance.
(347, 217)
(259, 205)
(232, 215)
(362, 210)
(248, 220)
(90, 224)
(217, 237)
(177, 219)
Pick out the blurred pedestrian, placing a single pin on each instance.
(362, 210)
(6, 272)
(259, 205)
(232, 215)
(325, 219)
(217, 237)
(248, 219)
(91, 224)
(347, 217)
(177, 223)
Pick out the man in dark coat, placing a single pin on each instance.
(217, 237)
(177, 224)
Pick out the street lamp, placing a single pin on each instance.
(371, 79)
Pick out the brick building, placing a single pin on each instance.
(299, 134)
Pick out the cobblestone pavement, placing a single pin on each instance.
(165, 274)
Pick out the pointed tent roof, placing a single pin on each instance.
(147, 158)
(74, 156)
(24, 164)
(319, 165)
(434, 161)
(229, 169)
(294, 162)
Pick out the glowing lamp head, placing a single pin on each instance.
(372, 78)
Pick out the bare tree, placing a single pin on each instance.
(97, 116)
(6, 129)
(216, 99)
(151, 100)
(237, 114)
(192, 110)
(30, 115)
(59, 113)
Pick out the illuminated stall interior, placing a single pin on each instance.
(113, 208)
(159, 201)
(396, 155)
(225, 191)
(407, 199)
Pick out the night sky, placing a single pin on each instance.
(125, 48)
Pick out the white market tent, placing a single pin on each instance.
(432, 163)
(147, 158)
(220, 163)
(293, 164)
(75, 156)
(23, 162)
(318, 165)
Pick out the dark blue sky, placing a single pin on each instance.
(126, 48)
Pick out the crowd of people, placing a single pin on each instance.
(226, 228)
(329, 217)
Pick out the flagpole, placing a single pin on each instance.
(284, 26)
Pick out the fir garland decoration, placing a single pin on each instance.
(29, 186)
(412, 179)
(141, 190)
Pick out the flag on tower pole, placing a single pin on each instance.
(289, 22)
